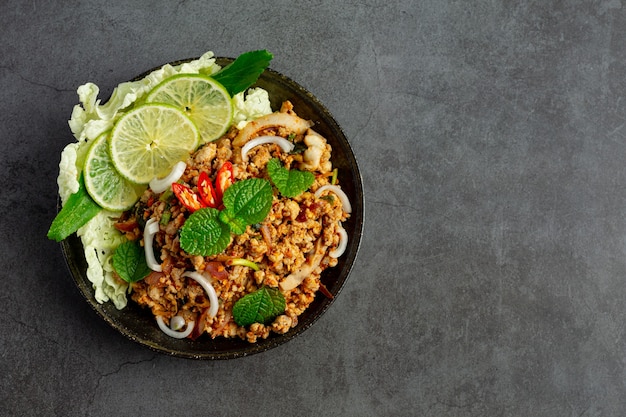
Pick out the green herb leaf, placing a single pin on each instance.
(243, 71)
(290, 183)
(77, 211)
(248, 200)
(204, 234)
(236, 224)
(260, 306)
(130, 263)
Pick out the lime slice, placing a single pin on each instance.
(102, 181)
(147, 141)
(202, 98)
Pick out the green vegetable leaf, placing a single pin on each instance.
(236, 224)
(130, 263)
(290, 183)
(77, 211)
(243, 71)
(204, 234)
(249, 200)
(260, 306)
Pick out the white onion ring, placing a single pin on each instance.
(345, 202)
(208, 287)
(343, 243)
(158, 185)
(152, 227)
(284, 144)
(292, 122)
(173, 333)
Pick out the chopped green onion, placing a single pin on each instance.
(166, 195)
(333, 179)
(165, 217)
(243, 262)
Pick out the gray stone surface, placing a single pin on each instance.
(491, 278)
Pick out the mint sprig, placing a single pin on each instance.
(290, 183)
(207, 231)
(129, 262)
(243, 71)
(260, 306)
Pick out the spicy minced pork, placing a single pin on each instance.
(292, 246)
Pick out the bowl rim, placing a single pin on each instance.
(75, 261)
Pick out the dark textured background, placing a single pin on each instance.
(491, 278)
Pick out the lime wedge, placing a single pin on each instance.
(103, 183)
(203, 99)
(147, 141)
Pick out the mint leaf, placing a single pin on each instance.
(236, 224)
(260, 306)
(248, 200)
(290, 183)
(77, 211)
(129, 262)
(204, 234)
(243, 71)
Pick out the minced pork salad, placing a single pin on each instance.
(198, 202)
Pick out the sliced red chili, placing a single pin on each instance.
(206, 190)
(187, 197)
(224, 179)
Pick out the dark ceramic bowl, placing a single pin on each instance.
(138, 324)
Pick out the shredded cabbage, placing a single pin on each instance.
(255, 104)
(89, 119)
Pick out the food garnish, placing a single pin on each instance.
(204, 100)
(224, 179)
(129, 262)
(104, 183)
(147, 141)
(244, 71)
(75, 213)
(187, 197)
(205, 206)
(259, 306)
(290, 183)
(207, 231)
(284, 144)
(235, 78)
(207, 191)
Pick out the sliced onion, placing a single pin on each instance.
(158, 185)
(152, 227)
(292, 122)
(173, 333)
(343, 243)
(345, 202)
(208, 287)
(284, 144)
(267, 235)
(243, 262)
(177, 322)
(294, 279)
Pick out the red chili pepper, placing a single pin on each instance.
(223, 180)
(206, 190)
(187, 197)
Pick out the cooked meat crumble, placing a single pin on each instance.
(292, 243)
